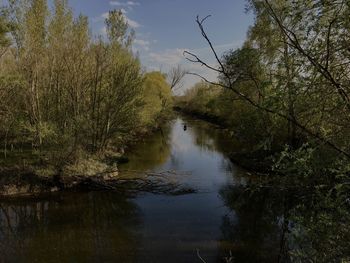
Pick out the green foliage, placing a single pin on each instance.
(4, 29)
(321, 232)
(288, 84)
(65, 93)
(201, 98)
(117, 28)
(287, 96)
(156, 97)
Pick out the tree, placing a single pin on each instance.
(175, 77)
(117, 28)
(4, 30)
(67, 95)
(230, 84)
(156, 95)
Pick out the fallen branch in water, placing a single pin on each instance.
(162, 184)
(170, 172)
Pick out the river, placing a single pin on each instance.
(144, 227)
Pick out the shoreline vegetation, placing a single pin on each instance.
(284, 96)
(71, 102)
(99, 172)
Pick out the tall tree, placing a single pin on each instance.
(117, 28)
(33, 60)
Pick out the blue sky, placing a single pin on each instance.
(165, 28)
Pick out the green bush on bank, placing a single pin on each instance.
(66, 94)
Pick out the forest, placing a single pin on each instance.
(75, 104)
(69, 98)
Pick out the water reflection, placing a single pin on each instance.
(150, 153)
(254, 235)
(258, 225)
(85, 227)
(279, 225)
(100, 227)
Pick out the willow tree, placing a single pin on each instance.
(156, 97)
(33, 61)
(7, 96)
(116, 84)
(118, 30)
(66, 94)
(60, 37)
(313, 62)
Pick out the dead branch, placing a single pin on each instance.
(175, 77)
(295, 43)
(231, 86)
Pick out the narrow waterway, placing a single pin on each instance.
(115, 227)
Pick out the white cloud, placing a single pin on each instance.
(218, 48)
(122, 5)
(175, 56)
(127, 4)
(117, 3)
(144, 44)
(131, 3)
(103, 31)
(169, 58)
(132, 23)
(104, 15)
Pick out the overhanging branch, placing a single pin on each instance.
(231, 86)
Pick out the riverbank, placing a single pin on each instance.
(25, 183)
(109, 225)
(27, 174)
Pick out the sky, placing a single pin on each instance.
(166, 28)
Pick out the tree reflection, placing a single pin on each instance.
(273, 224)
(94, 227)
(151, 153)
(253, 232)
(279, 225)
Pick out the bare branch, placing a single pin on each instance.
(231, 85)
(196, 59)
(175, 77)
(207, 81)
(204, 34)
(295, 43)
(199, 256)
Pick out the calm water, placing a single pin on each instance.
(115, 227)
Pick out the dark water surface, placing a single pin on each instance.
(115, 227)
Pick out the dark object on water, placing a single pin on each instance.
(185, 127)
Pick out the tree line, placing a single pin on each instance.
(288, 85)
(63, 90)
(284, 95)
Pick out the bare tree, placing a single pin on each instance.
(175, 77)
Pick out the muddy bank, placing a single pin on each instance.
(22, 183)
